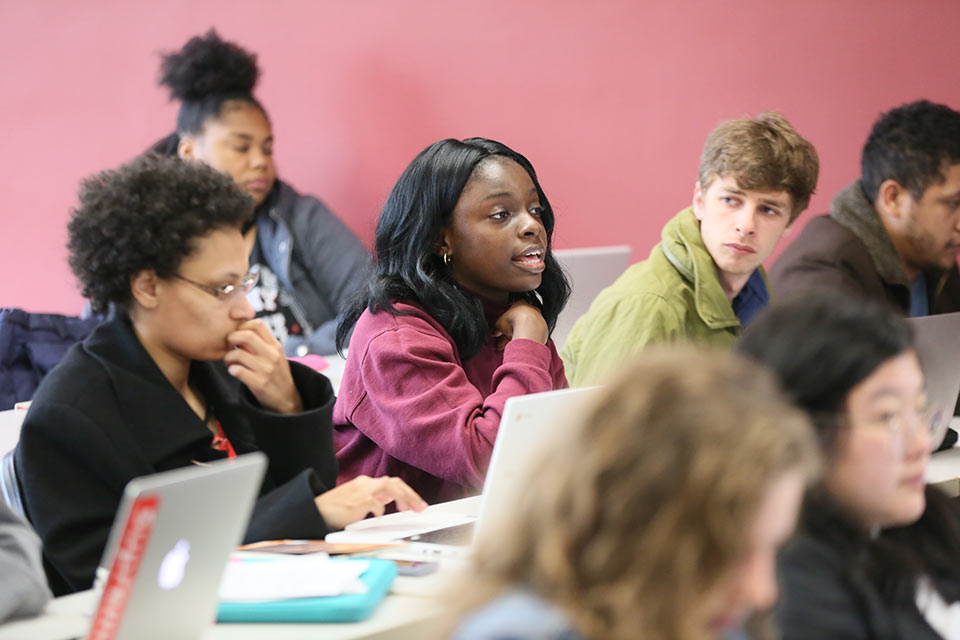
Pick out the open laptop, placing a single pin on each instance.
(590, 270)
(170, 541)
(938, 346)
(527, 422)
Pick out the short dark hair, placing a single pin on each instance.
(910, 144)
(821, 345)
(407, 266)
(206, 73)
(146, 215)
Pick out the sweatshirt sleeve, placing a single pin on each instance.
(303, 440)
(23, 589)
(302, 461)
(419, 407)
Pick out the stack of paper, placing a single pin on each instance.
(266, 578)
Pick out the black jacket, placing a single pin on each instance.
(838, 582)
(31, 344)
(106, 414)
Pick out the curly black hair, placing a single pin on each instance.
(910, 144)
(204, 74)
(146, 215)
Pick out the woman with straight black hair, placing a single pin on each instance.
(877, 551)
(309, 263)
(455, 319)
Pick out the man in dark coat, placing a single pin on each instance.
(893, 234)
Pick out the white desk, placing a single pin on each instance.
(414, 609)
(332, 364)
(398, 618)
(10, 422)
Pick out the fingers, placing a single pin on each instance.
(252, 370)
(521, 320)
(253, 336)
(265, 373)
(396, 490)
(356, 499)
(259, 328)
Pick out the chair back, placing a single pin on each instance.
(10, 485)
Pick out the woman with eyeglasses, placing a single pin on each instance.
(181, 373)
(878, 552)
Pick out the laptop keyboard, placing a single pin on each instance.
(460, 535)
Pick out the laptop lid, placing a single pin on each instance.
(938, 347)
(526, 422)
(168, 547)
(590, 271)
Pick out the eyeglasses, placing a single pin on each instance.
(226, 291)
(900, 423)
(930, 421)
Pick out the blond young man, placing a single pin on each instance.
(704, 280)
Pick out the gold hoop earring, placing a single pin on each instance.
(446, 258)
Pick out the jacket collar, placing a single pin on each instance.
(853, 210)
(683, 247)
(159, 419)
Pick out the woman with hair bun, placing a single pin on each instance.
(310, 264)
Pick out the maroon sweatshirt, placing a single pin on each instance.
(409, 406)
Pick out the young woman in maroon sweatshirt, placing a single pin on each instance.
(455, 319)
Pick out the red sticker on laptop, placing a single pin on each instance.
(126, 563)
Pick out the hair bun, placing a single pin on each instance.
(208, 65)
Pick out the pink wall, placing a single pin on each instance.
(610, 100)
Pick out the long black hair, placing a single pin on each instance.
(407, 266)
(207, 72)
(821, 346)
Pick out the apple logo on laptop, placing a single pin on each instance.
(173, 565)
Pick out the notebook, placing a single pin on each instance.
(169, 544)
(590, 270)
(527, 422)
(938, 347)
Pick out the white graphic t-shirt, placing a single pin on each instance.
(276, 307)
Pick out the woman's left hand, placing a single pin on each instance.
(257, 360)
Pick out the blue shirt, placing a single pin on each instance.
(516, 615)
(918, 297)
(752, 299)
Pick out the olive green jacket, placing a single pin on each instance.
(673, 295)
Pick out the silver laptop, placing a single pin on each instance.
(527, 422)
(590, 271)
(938, 346)
(170, 541)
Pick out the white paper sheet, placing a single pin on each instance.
(273, 577)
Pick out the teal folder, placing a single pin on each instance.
(351, 607)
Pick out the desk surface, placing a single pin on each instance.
(398, 617)
(414, 609)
